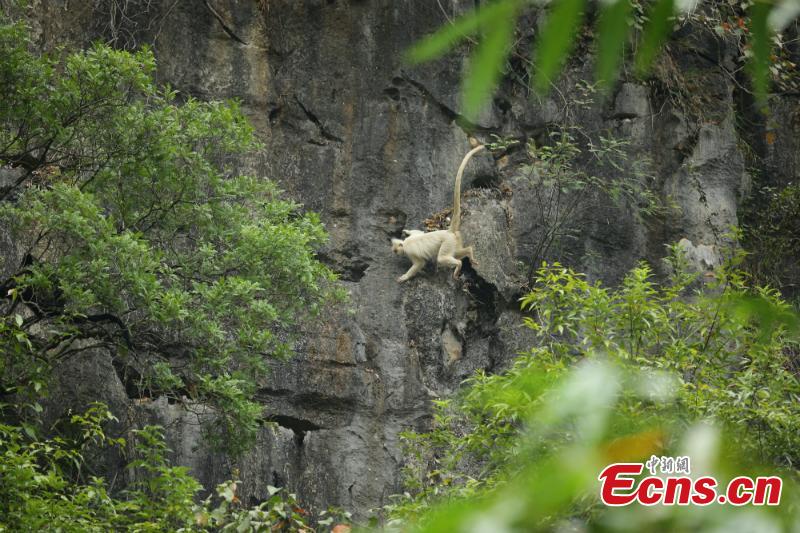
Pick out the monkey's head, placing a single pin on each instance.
(397, 246)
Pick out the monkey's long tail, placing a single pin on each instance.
(455, 220)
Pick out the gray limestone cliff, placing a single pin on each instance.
(373, 144)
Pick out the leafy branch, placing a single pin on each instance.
(495, 24)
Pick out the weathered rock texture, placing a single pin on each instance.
(373, 145)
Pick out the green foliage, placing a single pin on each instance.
(773, 239)
(486, 66)
(333, 516)
(443, 40)
(569, 179)
(140, 236)
(36, 494)
(160, 496)
(617, 375)
(611, 38)
(560, 31)
(280, 512)
(656, 31)
(42, 489)
(761, 46)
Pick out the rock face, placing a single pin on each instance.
(373, 145)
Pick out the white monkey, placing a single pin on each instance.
(443, 245)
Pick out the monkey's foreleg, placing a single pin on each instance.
(416, 267)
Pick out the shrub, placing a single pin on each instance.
(618, 374)
(43, 489)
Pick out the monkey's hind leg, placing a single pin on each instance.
(449, 260)
(466, 252)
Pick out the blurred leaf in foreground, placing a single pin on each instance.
(495, 24)
(656, 31)
(611, 38)
(556, 41)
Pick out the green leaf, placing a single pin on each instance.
(654, 34)
(612, 34)
(29, 431)
(556, 41)
(760, 45)
(767, 314)
(488, 61)
(446, 38)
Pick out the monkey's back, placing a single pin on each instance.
(428, 244)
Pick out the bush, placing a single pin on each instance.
(42, 488)
(618, 375)
(773, 239)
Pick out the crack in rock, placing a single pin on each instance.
(322, 129)
(460, 120)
